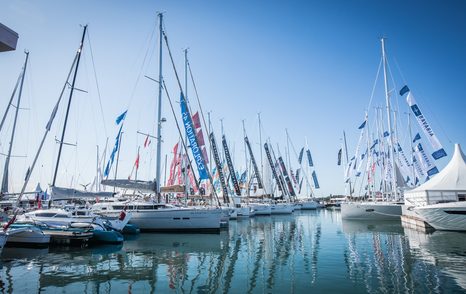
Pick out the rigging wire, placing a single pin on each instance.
(97, 83)
(181, 90)
(426, 105)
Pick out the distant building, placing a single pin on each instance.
(8, 38)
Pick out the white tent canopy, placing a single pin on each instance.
(448, 185)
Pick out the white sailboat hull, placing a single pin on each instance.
(371, 210)
(282, 208)
(243, 212)
(444, 216)
(178, 220)
(262, 209)
(309, 205)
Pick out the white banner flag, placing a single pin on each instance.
(427, 165)
(439, 152)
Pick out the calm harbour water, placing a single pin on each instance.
(309, 251)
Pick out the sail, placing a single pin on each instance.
(59, 193)
(144, 186)
(439, 152)
(230, 166)
(256, 170)
(193, 140)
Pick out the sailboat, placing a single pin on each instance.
(379, 210)
(13, 235)
(151, 214)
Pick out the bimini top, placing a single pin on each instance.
(451, 178)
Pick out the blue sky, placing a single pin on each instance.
(308, 66)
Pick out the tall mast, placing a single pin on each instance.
(186, 177)
(412, 147)
(69, 104)
(260, 143)
(390, 132)
(7, 161)
(97, 171)
(245, 158)
(159, 110)
(347, 161)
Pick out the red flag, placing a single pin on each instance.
(171, 178)
(136, 163)
(196, 121)
(204, 154)
(200, 138)
(146, 142)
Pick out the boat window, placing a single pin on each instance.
(118, 207)
(61, 215)
(45, 214)
(461, 197)
(461, 212)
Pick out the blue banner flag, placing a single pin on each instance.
(309, 158)
(192, 139)
(362, 125)
(114, 151)
(404, 90)
(417, 137)
(121, 117)
(339, 157)
(314, 177)
(300, 157)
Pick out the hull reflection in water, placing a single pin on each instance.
(307, 251)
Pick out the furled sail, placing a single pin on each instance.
(59, 193)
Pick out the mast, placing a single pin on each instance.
(47, 129)
(7, 161)
(245, 158)
(412, 148)
(159, 110)
(118, 158)
(186, 170)
(68, 107)
(390, 132)
(97, 171)
(260, 143)
(347, 161)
